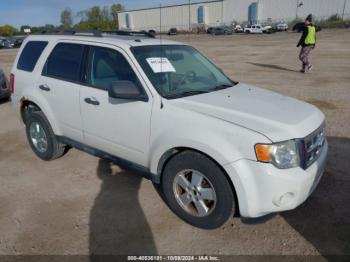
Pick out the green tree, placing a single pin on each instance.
(97, 18)
(66, 18)
(7, 30)
(82, 25)
(115, 9)
(94, 17)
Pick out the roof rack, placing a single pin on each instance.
(95, 33)
(130, 33)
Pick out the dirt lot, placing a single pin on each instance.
(80, 204)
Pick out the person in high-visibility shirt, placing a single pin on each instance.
(307, 42)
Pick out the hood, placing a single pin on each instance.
(276, 116)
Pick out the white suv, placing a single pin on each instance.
(214, 146)
(254, 29)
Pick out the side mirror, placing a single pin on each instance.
(126, 90)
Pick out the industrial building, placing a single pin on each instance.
(193, 14)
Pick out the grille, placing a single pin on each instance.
(312, 146)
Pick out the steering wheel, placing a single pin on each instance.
(189, 75)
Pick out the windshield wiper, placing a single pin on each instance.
(187, 93)
(224, 86)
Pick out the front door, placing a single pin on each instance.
(117, 126)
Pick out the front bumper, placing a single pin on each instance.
(262, 188)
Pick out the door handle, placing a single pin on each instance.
(45, 88)
(91, 101)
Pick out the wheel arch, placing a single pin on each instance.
(169, 154)
(26, 107)
(28, 104)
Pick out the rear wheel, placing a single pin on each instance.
(41, 137)
(197, 190)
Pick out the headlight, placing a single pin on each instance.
(282, 155)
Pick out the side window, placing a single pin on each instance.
(107, 65)
(30, 55)
(65, 62)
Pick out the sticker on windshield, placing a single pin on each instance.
(160, 64)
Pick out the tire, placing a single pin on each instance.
(191, 164)
(53, 149)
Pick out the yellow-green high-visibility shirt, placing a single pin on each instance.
(310, 39)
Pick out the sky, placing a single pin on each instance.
(41, 12)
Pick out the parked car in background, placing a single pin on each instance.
(9, 43)
(172, 31)
(282, 26)
(253, 29)
(2, 43)
(152, 32)
(220, 30)
(238, 29)
(14, 42)
(4, 88)
(210, 30)
(268, 29)
(18, 41)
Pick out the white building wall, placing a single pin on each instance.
(236, 10)
(286, 9)
(224, 12)
(175, 16)
(277, 10)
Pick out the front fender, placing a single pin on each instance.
(223, 142)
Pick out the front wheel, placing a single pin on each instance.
(41, 137)
(197, 190)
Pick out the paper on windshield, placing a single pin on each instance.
(160, 64)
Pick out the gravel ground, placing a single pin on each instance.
(80, 204)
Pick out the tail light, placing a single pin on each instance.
(12, 83)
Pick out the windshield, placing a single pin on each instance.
(179, 70)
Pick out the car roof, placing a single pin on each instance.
(117, 40)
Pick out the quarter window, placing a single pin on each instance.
(65, 62)
(106, 66)
(30, 55)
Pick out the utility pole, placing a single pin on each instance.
(160, 21)
(342, 17)
(222, 12)
(298, 4)
(189, 15)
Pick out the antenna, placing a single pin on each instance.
(161, 52)
(160, 34)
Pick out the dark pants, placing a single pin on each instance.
(304, 55)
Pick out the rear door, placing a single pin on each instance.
(117, 126)
(60, 85)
